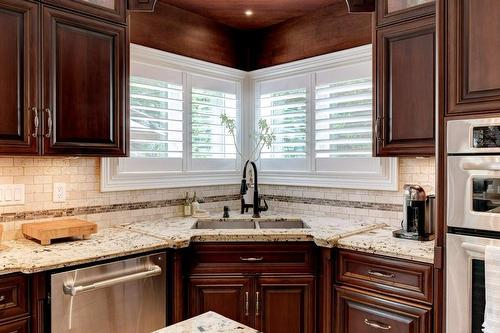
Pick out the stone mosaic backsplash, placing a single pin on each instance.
(85, 200)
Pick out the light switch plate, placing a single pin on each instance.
(59, 193)
(12, 194)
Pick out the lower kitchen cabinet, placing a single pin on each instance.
(285, 304)
(360, 312)
(226, 295)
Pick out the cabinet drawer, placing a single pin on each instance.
(20, 326)
(252, 258)
(358, 312)
(387, 275)
(13, 297)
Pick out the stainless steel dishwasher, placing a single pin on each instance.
(127, 296)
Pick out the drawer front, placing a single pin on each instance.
(13, 297)
(363, 313)
(20, 326)
(390, 276)
(211, 258)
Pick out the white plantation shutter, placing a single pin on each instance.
(156, 118)
(212, 146)
(343, 116)
(283, 104)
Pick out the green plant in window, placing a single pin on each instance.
(264, 138)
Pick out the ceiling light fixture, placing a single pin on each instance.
(248, 12)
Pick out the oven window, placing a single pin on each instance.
(478, 295)
(486, 195)
(486, 137)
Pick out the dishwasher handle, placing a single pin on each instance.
(72, 290)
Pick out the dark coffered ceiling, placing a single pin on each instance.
(265, 12)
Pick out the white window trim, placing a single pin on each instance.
(114, 179)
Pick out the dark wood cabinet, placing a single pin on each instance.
(359, 312)
(285, 304)
(405, 89)
(472, 51)
(79, 103)
(392, 11)
(84, 76)
(113, 10)
(226, 295)
(19, 70)
(14, 303)
(271, 287)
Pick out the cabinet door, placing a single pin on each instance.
(357, 312)
(85, 71)
(473, 51)
(226, 295)
(20, 326)
(405, 78)
(114, 10)
(18, 83)
(285, 305)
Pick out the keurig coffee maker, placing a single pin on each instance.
(418, 215)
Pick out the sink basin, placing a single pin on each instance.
(283, 224)
(224, 224)
(263, 223)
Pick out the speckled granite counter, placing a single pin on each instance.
(380, 241)
(324, 231)
(29, 257)
(209, 322)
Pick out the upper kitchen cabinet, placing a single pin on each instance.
(113, 10)
(404, 60)
(473, 80)
(64, 82)
(19, 115)
(85, 67)
(391, 11)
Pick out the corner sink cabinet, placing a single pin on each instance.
(65, 77)
(271, 287)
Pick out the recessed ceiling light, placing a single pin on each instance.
(248, 12)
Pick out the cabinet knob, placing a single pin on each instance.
(376, 324)
(36, 122)
(49, 123)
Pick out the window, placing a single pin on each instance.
(319, 109)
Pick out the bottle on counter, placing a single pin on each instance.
(187, 205)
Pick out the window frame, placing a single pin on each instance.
(382, 174)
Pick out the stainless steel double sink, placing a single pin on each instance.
(261, 223)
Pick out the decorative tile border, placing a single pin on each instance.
(68, 212)
(336, 203)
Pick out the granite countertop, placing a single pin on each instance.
(29, 257)
(380, 241)
(209, 322)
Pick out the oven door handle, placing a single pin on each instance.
(72, 290)
(481, 166)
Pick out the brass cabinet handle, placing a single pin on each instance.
(377, 325)
(252, 259)
(36, 121)
(257, 304)
(382, 274)
(247, 304)
(49, 123)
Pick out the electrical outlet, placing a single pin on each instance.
(59, 193)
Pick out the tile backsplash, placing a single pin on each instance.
(84, 199)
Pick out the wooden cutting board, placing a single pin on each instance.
(45, 232)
